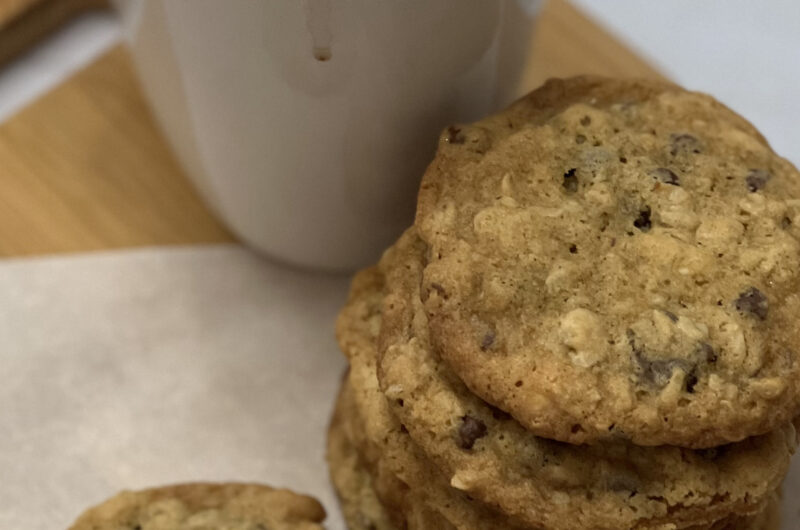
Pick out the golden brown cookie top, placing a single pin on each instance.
(205, 506)
(615, 259)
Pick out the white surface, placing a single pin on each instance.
(140, 368)
(44, 66)
(746, 53)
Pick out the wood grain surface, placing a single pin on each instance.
(85, 168)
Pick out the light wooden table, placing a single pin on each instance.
(85, 168)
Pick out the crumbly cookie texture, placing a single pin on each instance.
(381, 439)
(491, 457)
(205, 506)
(617, 259)
(406, 508)
(362, 507)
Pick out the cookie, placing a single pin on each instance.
(361, 507)
(491, 457)
(379, 437)
(386, 502)
(229, 506)
(614, 259)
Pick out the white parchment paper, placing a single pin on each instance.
(141, 368)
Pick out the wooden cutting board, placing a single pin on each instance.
(85, 168)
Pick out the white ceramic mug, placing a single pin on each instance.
(307, 124)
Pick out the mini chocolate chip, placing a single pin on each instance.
(579, 139)
(586, 120)
(469, 431)
(667, 176)
(754, 302)
(623, 160)
(786, 223)
(643, 222)
(439, 290)
(570, 181)
(488, 340)
(691, 382)
(757, 179)
(403, 429)
(670, 315)
(400, 402)
(573, 249)
(454, 135)
(684, 143)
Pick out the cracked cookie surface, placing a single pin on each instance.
(229, 506)
(617, 260)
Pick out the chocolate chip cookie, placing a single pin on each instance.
(491, 457)
(379, 437)
(201, 505)
(361, 506)
(617, 260)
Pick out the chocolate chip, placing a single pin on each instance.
(573, 249)
(488, 340)
(454, 135)
(656, 372)
(691, 382)
(667, 176)
(757, 179)
(684, 143)
(643, 222)
(786, 223)
(754, 302)
(469, 431)
(586, 120)
(570, 181)
(403, 429)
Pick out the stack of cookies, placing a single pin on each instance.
(591, 324)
